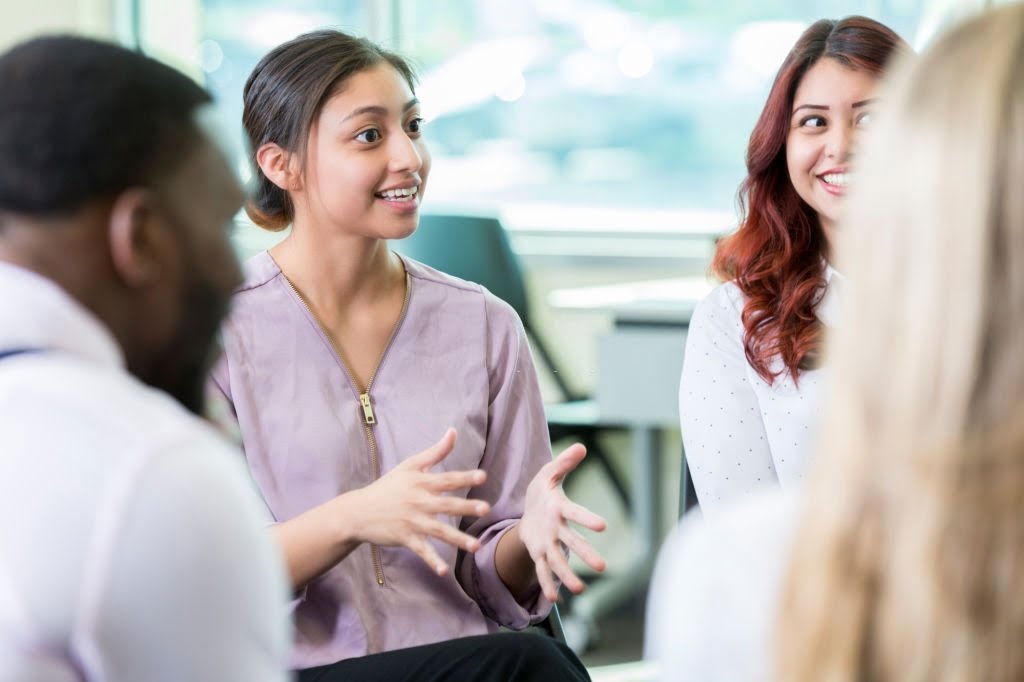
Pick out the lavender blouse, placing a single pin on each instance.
(458, 358)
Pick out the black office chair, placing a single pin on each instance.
(476, 249)
(552, 625)
(687, 493)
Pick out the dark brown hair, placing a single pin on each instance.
(285, 93)
(776, 255)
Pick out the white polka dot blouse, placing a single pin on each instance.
(740, 433)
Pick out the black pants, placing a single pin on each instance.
(504, 657)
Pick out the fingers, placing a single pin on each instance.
(445, 533)
(457, 506)
(583, 516)
(556, 560)
(455, 480)
(422, 461)
(547, 583)
(583, 549)
(451, 536)
(426, 551)
(567, 460)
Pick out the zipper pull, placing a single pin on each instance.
(364, 401)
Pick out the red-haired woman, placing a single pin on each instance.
(750, 389)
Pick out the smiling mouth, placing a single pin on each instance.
(399, 194)
(835, 179)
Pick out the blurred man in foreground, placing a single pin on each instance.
(131, 546)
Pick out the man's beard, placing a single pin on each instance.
(190, 355)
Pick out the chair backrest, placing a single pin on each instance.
(474, 248)
(687, 494)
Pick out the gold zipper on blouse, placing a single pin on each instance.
(365, 403)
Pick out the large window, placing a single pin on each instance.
(543, 106)
(626, 104)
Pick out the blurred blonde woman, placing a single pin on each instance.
(904, 557)
(910, 564)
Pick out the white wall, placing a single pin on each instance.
(21, 19)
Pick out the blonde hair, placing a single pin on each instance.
(909, 561)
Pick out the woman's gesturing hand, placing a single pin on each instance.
(544, 528)
(401, 507)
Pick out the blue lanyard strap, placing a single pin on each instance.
(4, 354)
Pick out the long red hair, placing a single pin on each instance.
(777, 255)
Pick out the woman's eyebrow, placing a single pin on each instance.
(821, 107)
(380, 110)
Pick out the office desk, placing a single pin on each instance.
(638, 370)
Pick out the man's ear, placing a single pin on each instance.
(137, 239)
(280, 166)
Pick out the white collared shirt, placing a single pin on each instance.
(741, 433)
(133, 546)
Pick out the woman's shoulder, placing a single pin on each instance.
(257, 271)
(257, 301)
(759, 524)
(455, 290)
(726, 297)
(720, 309)
(432, 277)
(725, 574)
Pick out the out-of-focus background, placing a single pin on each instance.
(607, 137)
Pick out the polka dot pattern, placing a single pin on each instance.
(740, 433)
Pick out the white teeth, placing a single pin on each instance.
(837, 179)
(399, 194)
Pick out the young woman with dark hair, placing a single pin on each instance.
(749, 392)
(342, 359)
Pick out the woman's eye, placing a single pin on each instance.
(813, 122)
(864, 119)
(415, 125)
(369, 135)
